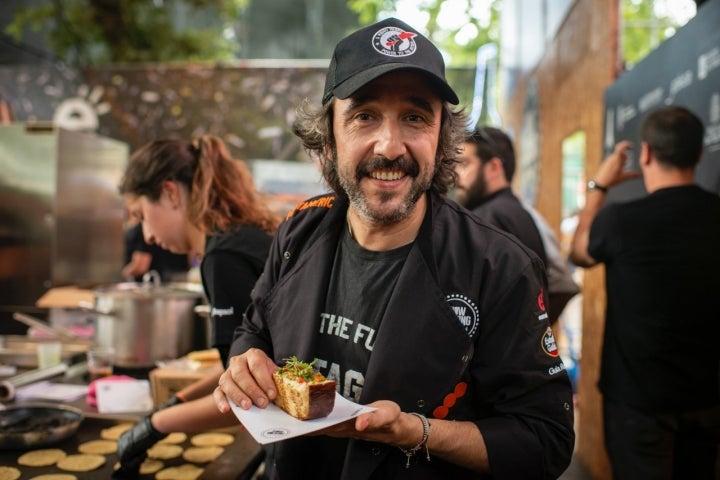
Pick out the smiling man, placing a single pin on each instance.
(412, 304)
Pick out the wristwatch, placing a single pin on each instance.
(593, 185)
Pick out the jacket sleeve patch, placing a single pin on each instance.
(542, 311)
(548, 343)
(318, 202)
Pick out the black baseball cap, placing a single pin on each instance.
(388, 45)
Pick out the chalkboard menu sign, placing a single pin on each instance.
(684, 70)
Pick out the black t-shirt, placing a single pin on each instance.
(662, 258)
(231, 265)
(361, 285)
(360, 288)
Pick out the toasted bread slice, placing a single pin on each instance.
(303, 392)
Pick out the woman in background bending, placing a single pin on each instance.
(194, 198)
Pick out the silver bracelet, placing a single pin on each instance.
(410, 452)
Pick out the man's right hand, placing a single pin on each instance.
(247, 381)
(133, 445)
(612, 170)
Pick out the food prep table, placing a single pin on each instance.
(238, 461)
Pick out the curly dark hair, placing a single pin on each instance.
(313, 126)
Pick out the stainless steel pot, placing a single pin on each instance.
(146, 322)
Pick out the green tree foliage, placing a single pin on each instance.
(294, 29)
(460, 53)
(643, 29)
(126, 31)
(370, 10)
(96, 32)
(464, 54)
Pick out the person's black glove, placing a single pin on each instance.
(129, 470)
(133, 446)
(174, 400)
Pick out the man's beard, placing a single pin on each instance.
(473, 195)
(350, 183)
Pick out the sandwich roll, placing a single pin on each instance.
(302, 391)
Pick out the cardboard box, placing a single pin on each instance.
(67, 310)
(166, 381)
(66, 297)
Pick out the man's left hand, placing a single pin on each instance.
(386, 424)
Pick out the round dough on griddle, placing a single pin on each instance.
(81, 462)
(211, 439)
(41, 458)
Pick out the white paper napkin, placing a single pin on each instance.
(272, 424)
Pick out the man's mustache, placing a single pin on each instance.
(405, 165)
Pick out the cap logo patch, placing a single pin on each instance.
(465, 310)
(394, 42)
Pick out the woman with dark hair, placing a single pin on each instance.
(194, 198)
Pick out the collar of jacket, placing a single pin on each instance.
(338, 213)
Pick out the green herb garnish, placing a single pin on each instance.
(296, 370)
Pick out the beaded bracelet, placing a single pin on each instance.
(410, 452)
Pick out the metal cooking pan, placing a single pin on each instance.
(35, 425)
(145, 323)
